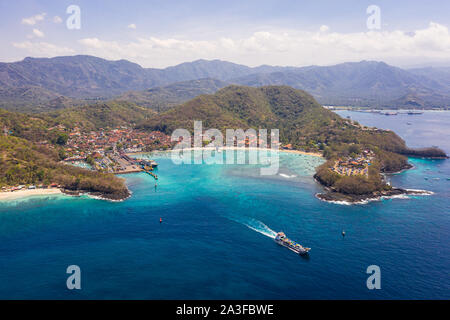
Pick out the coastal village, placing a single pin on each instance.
(106, 150)
(352, 166)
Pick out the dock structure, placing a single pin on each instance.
(148, 166)
(142, 162)
(132, 170)
(147, 163)
(129, 165)
(152, 174)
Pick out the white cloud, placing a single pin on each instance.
(34, 19)
(131, 26)
(38, 33)
(324, 28)
(57, 19)
(43, 49)
(283, 47)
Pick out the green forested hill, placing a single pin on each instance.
(163, 98)
(26, 126)
(245, 107)
(301, 120)
(90, 117)
(100, 115)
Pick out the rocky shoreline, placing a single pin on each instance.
(425, 153)
(336, 197)
(98, 195)
(407, 166)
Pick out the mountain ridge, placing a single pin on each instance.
(364, 83)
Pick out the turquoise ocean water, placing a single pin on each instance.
(215, 241)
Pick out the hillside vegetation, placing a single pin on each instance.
(163, 98)
(100, 115)
(294, 112)
(301, 120)
(48, 126)
(22, 162)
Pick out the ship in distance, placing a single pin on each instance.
(284, 241)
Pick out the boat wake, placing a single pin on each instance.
(260, 227)
(287, 176)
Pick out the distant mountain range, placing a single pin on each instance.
(39, 84)
(163, 98)
(365, 83)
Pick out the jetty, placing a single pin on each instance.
(130, 165)
(144, 165)
(152, 174)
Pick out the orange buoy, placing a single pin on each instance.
(160, 220)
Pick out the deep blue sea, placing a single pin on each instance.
(215, 241)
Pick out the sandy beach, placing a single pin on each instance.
(27, 193)
(315, 154)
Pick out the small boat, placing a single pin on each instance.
(282, 240)
(414, 112)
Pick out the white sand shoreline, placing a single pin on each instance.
(315, 154)
(11, 195)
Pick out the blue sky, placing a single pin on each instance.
(163, 33)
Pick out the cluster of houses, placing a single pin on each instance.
(358, 165)
(82, 144)
(6, 131)
(106, 149)
(30, 187)
(357, 125)
(250, 141)
(105, 146)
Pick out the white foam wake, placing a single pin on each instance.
(287, 176)
(260, 227)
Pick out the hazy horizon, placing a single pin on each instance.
(252, 33)
(418, 66)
